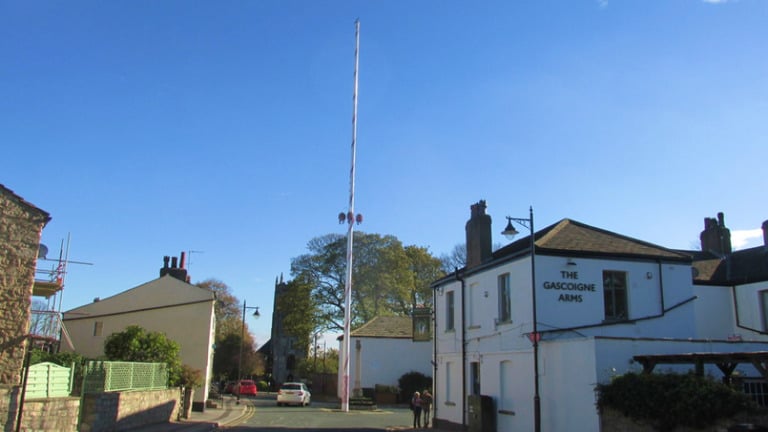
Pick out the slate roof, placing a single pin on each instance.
(386, 327)
(573, 238)
(739, 267)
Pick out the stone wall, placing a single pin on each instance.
(613, 421)
(123, 411)
(9, 398)
(21, 225)
(51, 414)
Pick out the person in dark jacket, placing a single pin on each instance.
(426, 406)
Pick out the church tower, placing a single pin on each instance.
(286, 350)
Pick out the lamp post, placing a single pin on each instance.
(510, 232)
(242, 341)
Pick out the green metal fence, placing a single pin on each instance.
(106, 376)
(49, 380)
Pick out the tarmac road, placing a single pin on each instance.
(322, 416)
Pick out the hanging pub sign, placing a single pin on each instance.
(422, 324)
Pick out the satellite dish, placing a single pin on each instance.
(42, 251)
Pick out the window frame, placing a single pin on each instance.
(504, 292)
(450, 308)
(618, 304)
(763, 295)
(98, 328)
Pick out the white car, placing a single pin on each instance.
(293, 393)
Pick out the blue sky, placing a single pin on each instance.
(149, 128)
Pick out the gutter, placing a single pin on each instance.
(463, 353)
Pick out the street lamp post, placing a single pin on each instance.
(510, 233)
(242, 341)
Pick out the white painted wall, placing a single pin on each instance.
(750, 310)
(385, 360)
(663, 304)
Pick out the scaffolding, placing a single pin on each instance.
(45, 325)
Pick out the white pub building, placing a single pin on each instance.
(535, 332)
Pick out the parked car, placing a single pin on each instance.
(246, 387)
(295, 393)
(229, 387)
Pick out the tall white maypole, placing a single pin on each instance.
(351, 218)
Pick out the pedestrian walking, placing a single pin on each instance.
(426, 406)
(416, 407)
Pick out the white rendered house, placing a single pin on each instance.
(383, 350)
(605, 304)
(169, 304)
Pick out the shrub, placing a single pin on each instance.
(381, 388)
(669, 400)
(190, 377)
(413, 382)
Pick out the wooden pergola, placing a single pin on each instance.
(726, 362)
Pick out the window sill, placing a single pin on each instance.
(617, 321)
(449, 403)
(506, 412)
(474, 327)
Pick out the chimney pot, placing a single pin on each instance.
(165, 261)
(765, 233)
(183, 260)
(174, 262)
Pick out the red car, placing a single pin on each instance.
(246, 388)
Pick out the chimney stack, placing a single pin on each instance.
(179, 272)
(716, 238)
(478, 229)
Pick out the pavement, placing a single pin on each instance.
(227, 413)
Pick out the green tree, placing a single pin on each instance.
(425, 269)
(226, 309)
(230, 329)
(388, 278)
(139, 345)
(297, 310)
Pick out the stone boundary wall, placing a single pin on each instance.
(51, 414)
(124, 411)
(9, 398)
(613, 421)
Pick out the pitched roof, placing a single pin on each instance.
(570, 237)
(739, 267)
(163, 292)
(44, 215)
(386, 327)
